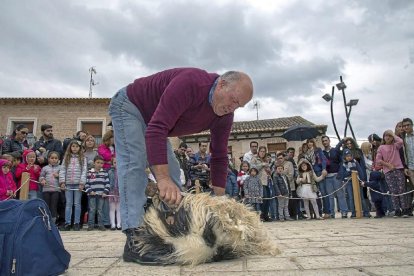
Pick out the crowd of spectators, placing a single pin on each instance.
(314, 183)
(75, 177)
(317, 183)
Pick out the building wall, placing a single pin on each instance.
(65, 116)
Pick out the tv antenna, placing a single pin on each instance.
(92, 82)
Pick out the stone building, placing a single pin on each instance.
(67, 115)
(265, 132)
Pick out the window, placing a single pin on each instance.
(94, 129)
(30, 123)
(274, 148)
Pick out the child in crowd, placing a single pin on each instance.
(114, 208)
(97, 187)
(72, 177)
(348, 165)
(231, 184)
(107, 149)
(29, 166)
(376, 198)
(17, 157)
(49, 178)
(89, 150)
(241, 176)
(281, 188)
(307, 187)
(7, 184)
(253, 190)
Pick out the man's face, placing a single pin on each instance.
(182, 150)
(189, 152)
(203, 147)
(291, 154)
(82, 136)
(253, 148)
(48, 133)
(326, 142)
(230, 96)
(407, 127)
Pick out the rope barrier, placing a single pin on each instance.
(300, 198)
(387, 193)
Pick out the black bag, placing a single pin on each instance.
(30, 243)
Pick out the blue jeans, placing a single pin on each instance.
(325, 201)
(350, 197)
(73, 198)
(332, 184)
(95, 206)
(274, 208)
(34, 194)
(105, 212)
(131, 155)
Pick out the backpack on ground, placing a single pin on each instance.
(30, 243)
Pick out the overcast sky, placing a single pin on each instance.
(294, 51)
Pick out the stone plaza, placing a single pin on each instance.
(330, 247)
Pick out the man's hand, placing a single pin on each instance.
(406, 172)
(169, 192)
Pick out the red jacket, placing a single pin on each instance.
(34, 172)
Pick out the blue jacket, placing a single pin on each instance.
(281, 185)
(333, 159)
(231, 185)
(346, 168)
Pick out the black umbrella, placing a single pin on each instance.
(300, 133)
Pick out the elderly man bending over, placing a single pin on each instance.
(170, 103)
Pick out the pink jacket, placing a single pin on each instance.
(6, 182)
(107, 155)
(390, 154)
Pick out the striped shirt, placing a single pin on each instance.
(97, 182)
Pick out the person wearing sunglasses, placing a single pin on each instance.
(17, 140)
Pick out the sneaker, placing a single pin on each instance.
(101, 228)
(344, 216)
(281, 220)
(405, 213)
(66, 227)
(132, 254)
(326, 216)
(118, 228)
(397, 214)
(289, 219)
(91, 227)
(113, 228)
(320, 218)
(76, 227)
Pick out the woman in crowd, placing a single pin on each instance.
(388, 157)
(261, 163)
(17, 142)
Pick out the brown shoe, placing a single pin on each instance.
(326, 216)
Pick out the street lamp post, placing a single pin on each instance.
(330, 98)
(351, 103)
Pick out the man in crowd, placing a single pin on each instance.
(200, 166)
(252, 152)
(182, 158)
(46, 144)
(408, 137)
(331, 183)
(174, 102)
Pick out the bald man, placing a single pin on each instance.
(170, 103)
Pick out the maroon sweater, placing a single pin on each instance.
(175, 103)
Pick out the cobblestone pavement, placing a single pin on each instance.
(331, 247)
